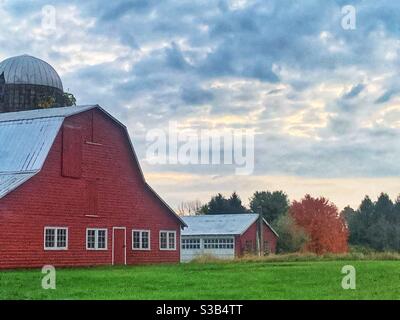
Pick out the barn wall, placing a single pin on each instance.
(250, 236)
(271, 238)
(109, 193)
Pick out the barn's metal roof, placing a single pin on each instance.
(8, 182)
(26, 69)
(24, 144)
(45, 113)
(218, 224)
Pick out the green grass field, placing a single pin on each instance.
(234, 280)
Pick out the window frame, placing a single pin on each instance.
(96, 239)
(56, 247)
(219, 243)
(191, 244)
(141, 240)
(168, 232)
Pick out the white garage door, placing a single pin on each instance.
(220, 247)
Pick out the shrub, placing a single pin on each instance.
(292, 238)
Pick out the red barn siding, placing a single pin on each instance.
(110, 193)
(251, 235)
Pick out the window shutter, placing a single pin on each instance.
(72, 152)
(92, 196)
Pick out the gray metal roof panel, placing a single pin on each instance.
(9, 182)
(24, 144)
(218, 224)
(45, 113)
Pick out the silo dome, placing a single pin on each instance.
(28, 83)
(26, 69)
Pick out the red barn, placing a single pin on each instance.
(72, 193)
(227, 236)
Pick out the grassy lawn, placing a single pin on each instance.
(235, 280)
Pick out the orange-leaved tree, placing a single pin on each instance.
(322, 222)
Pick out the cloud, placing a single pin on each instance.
(354, 91)
(323, 100)
(120, 9)
(196, 96)
(385, 97)
(175, 58)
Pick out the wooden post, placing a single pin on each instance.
(260, 238)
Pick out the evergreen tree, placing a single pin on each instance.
(383, 207)
(217, 204)
(220, 205)
(271, 204)
(376, 225)
(235, 204)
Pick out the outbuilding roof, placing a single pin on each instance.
(220, 224)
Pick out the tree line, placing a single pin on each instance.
(375, 225)
(315, 224)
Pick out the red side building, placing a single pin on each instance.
(72, 193)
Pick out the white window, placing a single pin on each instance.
(140, 239)
(191, 243)
(167, 240)
(218, 243)
(55, 238)
(96, 239)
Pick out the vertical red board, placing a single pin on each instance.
(72, 152)
(92, 197)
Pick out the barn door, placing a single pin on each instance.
(119, 245)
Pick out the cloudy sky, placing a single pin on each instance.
(323, 101)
